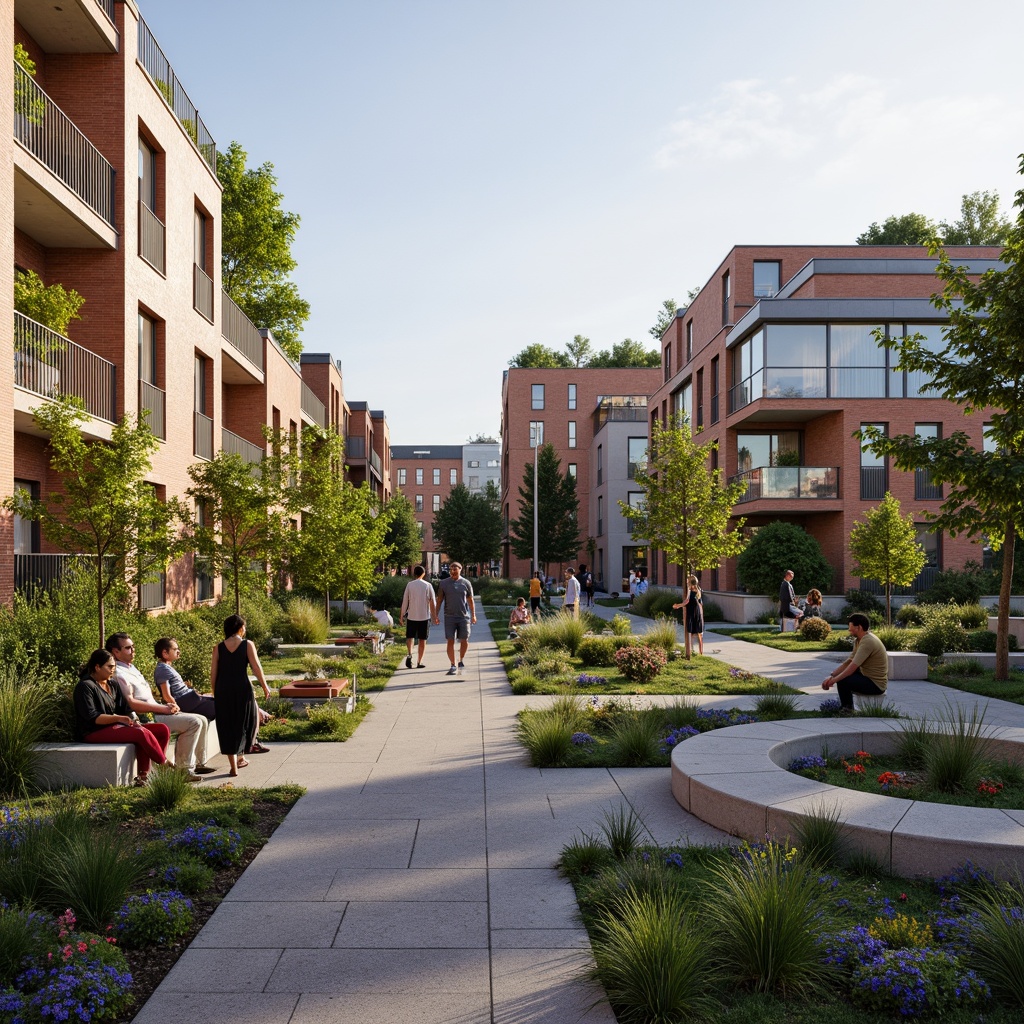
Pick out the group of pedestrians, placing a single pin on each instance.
(421, 606)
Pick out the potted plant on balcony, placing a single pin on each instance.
(52, 307)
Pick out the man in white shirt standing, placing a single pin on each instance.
(190, 730)
(571, 601)
(418, 608)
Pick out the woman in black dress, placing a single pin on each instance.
(694, 612)
(236, 715)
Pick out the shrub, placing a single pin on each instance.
(155, 918)
(775, 702)
(655, 602)
(814, 629)
(998, 939)
(636, 738)
(895, 639)
(779, 546)
(960, 586)
(22, 933)
(264, 617)
(956, 755)
(624, 830)
(557, 631)
(961, 667)
(912, 742)
(972, 616)
(984, 641)
(596, 651)
(713, 612)
(861, 601)
(306, 623)
(911, 615)
(901, 932)
(524, 685)
(168, 787)
(25, 713)
(622, 625)
(662, 634)
(681, 712)
(821, 833)
(942, 635)
(584, 856)
(547, 739)
(216, 846)
(837, 641)
(189, 876)
(389, 591)
(640, 664)
(324, 718)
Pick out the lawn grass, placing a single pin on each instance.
(295, 727)
(983, 684)
(792, 642)
(372, 671)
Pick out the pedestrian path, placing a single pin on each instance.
(414, 882)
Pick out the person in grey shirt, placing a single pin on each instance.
(455, 595)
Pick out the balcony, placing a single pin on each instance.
(202, 292)
(233, 444)
(152, 58)
(618, 410)
(314, 408)
(154, 401)
(245, 342)
(64, 187)
(375, 464)
(355, 448)
(40, 572)
(86, 26)
(202, 437)
(152, 245)
(788, 483)
(48, 364)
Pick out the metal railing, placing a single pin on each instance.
(154, 401)
(40, 572)
(202, 443)
(239, 331)
(48, 364)
(233, 444)
(151, 238)
(924, 488)
(375, 463)
(107, 7)
(924, 580)
(312, 406)
(355, 447)
(54, 140)
(153, 60)
(872, 483)
(619, 414)
(202, 292)
(788, 482)
(153, 594)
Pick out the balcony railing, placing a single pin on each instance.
(355, 447)
(236, 445)
(54, 140)
(48, 364)
(107, 7)
(924, 488)
(924, 580)
(154, 401)
(202, 292)
(202, 444)
(313, 407)
(872, 483)
(153, 594)
(153, 60)
(151, 238)
(788, 482)
(619, 414)
(239, 331)
(40, 572)
(375, 463)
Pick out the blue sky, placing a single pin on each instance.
(474, 177)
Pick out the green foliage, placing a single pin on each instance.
(596, 652)
(622, 625)
(168, 787)
(910, 615)
(666, 315)
(814, 629)
(901, 931)
(624, 354)
(984, 641)
(52, 306)
(540, 357)
(885, 548)
(154, 919)
(402, 537)
(655, 602)
(998, 940)
(980, 223)
(639, 663)
(22, 933)
(821, 835)
(192, 877)
(959, 586)
(957, 751)
(28, 707)
(652, 959)
(256, 249)
(912, 742)
(306, 623)
(910, 229)
(325, 718)
(779, 546)
(388, 592)
(941, 636)
(468, 527)
(662, 634)
(636, 738)
(584, 856)
(775, 701)
(558, 532)
(895, 639)
(553, 631)
(548, 740)
(861, 601)
(624, 829)
(24, 61)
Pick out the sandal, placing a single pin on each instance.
(242, 763)
(258, 748)
(141, 780)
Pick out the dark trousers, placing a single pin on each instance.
(856, 682)
(150, 740)
(198, 704)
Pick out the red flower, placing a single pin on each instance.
(903, 897)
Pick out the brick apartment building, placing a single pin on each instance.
(589, 416)
(775, 359)
(110, 188)
(426, 474)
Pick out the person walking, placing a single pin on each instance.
(455, 595)
(418, 608)
(787, 601)
(586, 578)
(571, 601)
(693, 613)
(536, 590)
(866, 671)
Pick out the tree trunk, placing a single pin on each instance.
(101, 618)
(234, 576)
(888, 603)
(1003, 621)
(327, 607)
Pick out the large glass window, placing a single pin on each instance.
(419, 477)
(401, 478)
(682, 403)
(766, 279)
(857, 361)
(795, 359)
(873, 483)
(755, 451)
(147, 174)
(436, 502)
(419, 502)
(918, 382)
(453, 477)
(147, 349)
(571, 470)
(747, 371)
(925, 488)
(536, 396)
(637, 454)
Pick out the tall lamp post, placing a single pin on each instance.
(537, 441)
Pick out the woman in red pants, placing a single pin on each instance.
(102, 715)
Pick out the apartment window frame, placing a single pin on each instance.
(572, 433)
(418, 503)
(436, 476)
(716, 370)
(572, 469)
(572, 396)
(401, 477)
(536, 396)
(766, 290)
(689, 339)
(874, 470)
(600, 464)
(924, 488)
(726, 296)
(536, 433)
(435, 502)
(667, 359)
(419, 477)
(453, 477)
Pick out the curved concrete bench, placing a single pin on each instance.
(736, 780)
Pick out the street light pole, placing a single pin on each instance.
(539, 433)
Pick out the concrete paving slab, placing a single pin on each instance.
(424, 885)
(540, 938)
(531, 898)
(447, 842)
(287, 880)
(369, 1008)
(546, 987)
(167, 1007)
(222, 970)
(271, 925)
(414, 925)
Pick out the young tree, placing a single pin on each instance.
(666, 315)
(558, 534)
(451, 524)
(106, 510)
(981, 368)
(360, 544)
(980, 223)
(485, 525)
(246, 515)
(686, 510)
(578, 350)
(403, 534)
(779, 546)
(885, 548)
(256, 249)
(910, 229)
(540, 357)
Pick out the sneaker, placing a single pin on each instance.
(408, 661)
(419, 664)
(203, 769)
(461, 667)
(453, 671)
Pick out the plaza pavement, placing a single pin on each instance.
(414, 882)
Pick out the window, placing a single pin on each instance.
(600, 515)
(759, 451)
(635, 499)
(689, 340)
(766, 279)
(794, 361)
(572, 433)
(151, 228)
(419, 524)
(536, 396)
(571, 470)
(453, 477)
(989, 442)
(636, 451)
(473, 484)
(202, 283)
(401, 478)
(419, 477)
(419, 503)
(924, 487)
(474, 463)
(536, 433)
(873, 482)
(572, 396)
(918, 383)
(200, 385)
(437, 478)
(747, 371)
(700, 400)
(714, 390)
(491, 464)
(931, 542)
(600, 464)
(26, 531)
(201, 566)
(682, 404)
(147, 349)
(199, 240)
(726, 295)
(147, 175)
(856, 361)
(436, 502)
(668, 360)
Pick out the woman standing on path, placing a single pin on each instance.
(694, 615)
(232, 692)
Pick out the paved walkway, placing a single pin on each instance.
(414, 880)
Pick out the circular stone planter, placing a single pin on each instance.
(736, 780)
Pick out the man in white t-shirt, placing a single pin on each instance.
(418, 608)
(571, 601)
